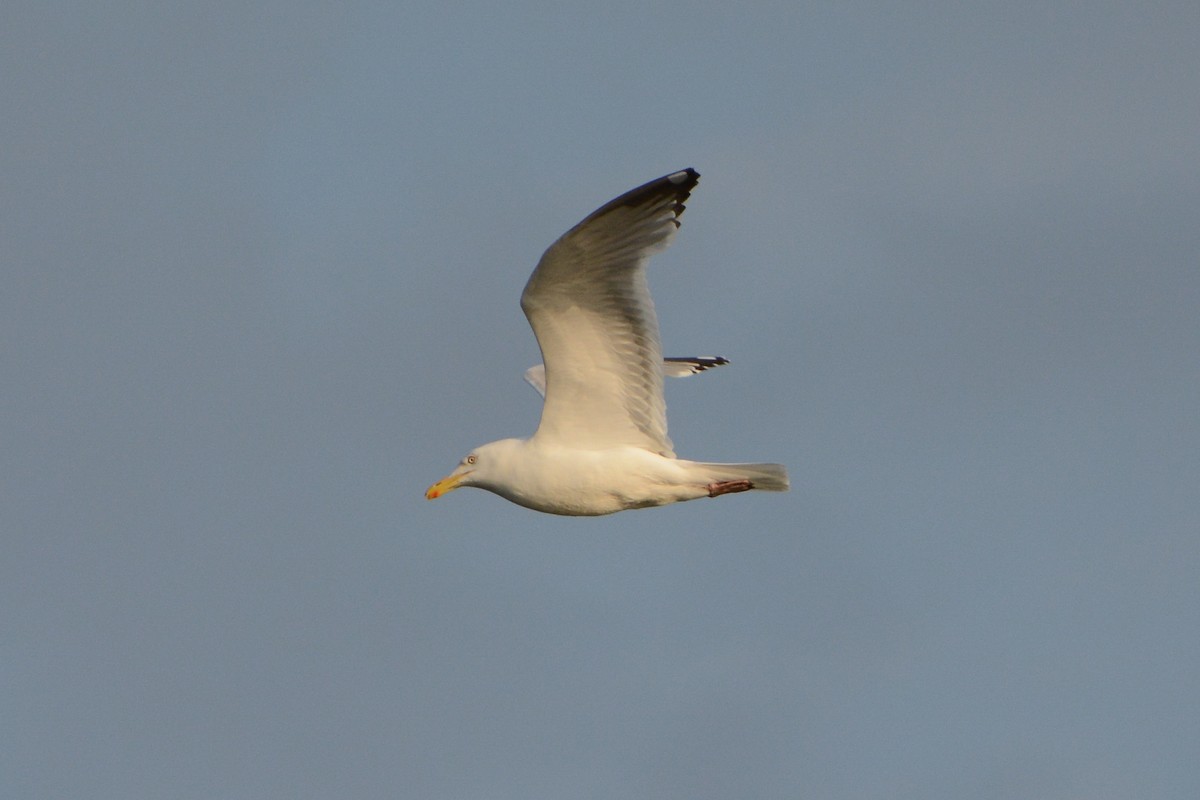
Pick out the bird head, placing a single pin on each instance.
(476, 468)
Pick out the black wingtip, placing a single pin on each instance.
(675, 186)
(678, 185)
(699, 363)
(687, 175)
(681, 182)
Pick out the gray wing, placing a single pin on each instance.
(672, 367)
(590, 309)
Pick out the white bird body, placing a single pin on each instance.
(545, 476)
(602, 443)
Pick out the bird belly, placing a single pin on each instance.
(598, 482)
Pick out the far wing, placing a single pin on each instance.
(590, 309)
(535, 376)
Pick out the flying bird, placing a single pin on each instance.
(602, 444)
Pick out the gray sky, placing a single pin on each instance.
(262, 264)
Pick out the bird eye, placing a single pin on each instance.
(471, 459)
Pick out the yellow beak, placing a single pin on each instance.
(446, 484)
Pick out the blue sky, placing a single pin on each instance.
(262, 267)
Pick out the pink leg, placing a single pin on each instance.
(729, 487)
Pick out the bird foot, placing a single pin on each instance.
(729, 487)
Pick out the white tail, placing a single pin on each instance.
(767, 477)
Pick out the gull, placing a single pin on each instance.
(601, 445)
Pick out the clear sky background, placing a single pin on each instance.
(261, 264)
